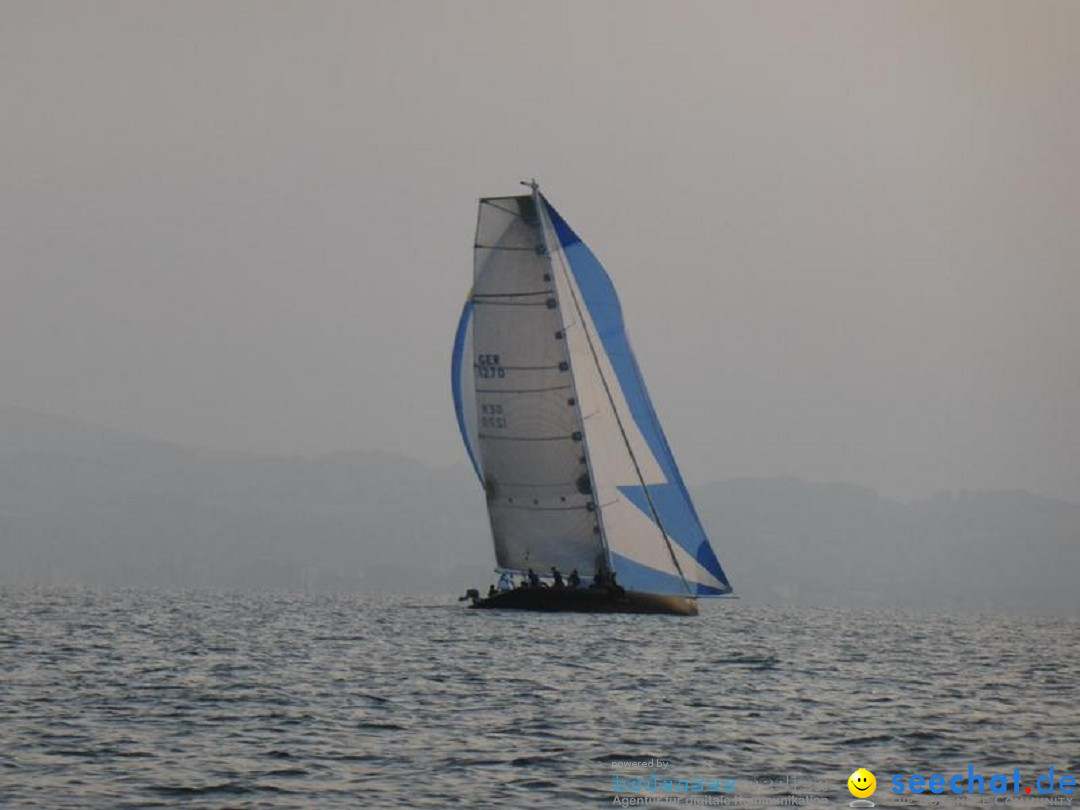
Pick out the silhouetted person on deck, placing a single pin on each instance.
(616, 588)
(558, 577)
(573, 580)
(606, 581)
(534, 580)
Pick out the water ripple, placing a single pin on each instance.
(113, 698)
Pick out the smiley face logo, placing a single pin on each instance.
(862, 783)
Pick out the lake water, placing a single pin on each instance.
(140, 698)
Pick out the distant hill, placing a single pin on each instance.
(788, 540)
(80, 503)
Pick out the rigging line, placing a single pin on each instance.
(564, 484)
(512, 295)
(504, 210)
(527, 508)
(506, 247)
(493, 437)
(530, 368)
(522, 390)
(618, 420)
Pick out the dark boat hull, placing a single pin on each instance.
(586, 600)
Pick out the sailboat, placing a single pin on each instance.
(562, 434)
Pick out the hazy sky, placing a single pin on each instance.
(845, 235)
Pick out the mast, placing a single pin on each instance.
(538, 203)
